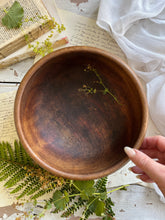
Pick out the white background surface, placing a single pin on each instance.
(137, 202)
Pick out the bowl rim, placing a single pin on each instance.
(20, 92)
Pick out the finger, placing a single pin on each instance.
(155, 142)
(136, 170)
(154, 153)
(153, 169)
(145, 178)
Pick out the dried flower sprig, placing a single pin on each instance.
(90, 90)
(45, 47)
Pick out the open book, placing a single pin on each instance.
(36, 22)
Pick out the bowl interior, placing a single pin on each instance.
(75, 112)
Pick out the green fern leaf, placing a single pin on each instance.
(21, 156)
(10, 152)
(25, 191)
(9, 169)
(17, 151)
(41, 193)
(20, 186)
(100, 184)
(18, 176)
(19, 171)
(34, 189)
(3, 151)
(73, 208)
(26, 178)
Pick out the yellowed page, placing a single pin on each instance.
(58, 39)
(84, 31)
(33, 9)
(7, 133)
(7, 126)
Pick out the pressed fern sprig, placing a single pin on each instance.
(28, 179)
(21, 173)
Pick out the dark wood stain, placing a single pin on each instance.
(80, 135)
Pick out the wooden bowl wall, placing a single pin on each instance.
(74, 134)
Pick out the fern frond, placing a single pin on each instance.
(17, 154)
(20, 171)
(16, 177)
(101, 184)
(24, 177)
(41, 193)
(10, 152)
(20, 155)
(34, 189)
(86, 213)
(20, 186)
(25, 191)
(73, 208)
(3, 164)
(3, 151)
(108, 207)
(7, 171)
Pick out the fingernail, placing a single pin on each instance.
(129, 151)
(138, 177)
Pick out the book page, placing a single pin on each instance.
(57, 40)
(34, 24)
(83, 31)
(7, 126)
(33, 9)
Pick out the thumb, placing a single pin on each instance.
(153, 169)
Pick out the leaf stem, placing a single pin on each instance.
(87, 207)
(117, 188)
(5, 10)
(76, 187)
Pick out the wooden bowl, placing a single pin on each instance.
(75, 111)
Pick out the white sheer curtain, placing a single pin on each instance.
(138, 26)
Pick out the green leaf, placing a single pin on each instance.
(103, 196)
(14, 16)
(66, 196)
(85, 194)
(60, 200)
(48, 205)
(97, 206)
(100, 208)
(83, 185)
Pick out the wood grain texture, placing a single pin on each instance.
(73, 134)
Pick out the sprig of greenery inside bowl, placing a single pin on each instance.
(25, 178)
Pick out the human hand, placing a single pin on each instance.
(149, 161)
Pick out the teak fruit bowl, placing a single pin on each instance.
(76, 109)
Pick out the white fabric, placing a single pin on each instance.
(160, 194)
(138, 26)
